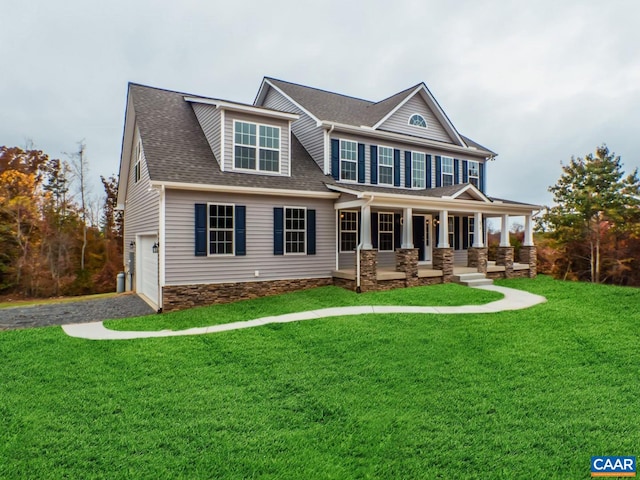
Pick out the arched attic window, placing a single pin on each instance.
(417, 120)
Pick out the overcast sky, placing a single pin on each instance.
(536, 82)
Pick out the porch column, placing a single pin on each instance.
(504, 232)
(407, 228)
(443, 238)
(478, 234)
(528, 231)
(365, 227)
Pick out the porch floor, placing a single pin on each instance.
(424, 271)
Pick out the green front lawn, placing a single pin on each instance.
(525, 394)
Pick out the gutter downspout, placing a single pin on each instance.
(358, 248)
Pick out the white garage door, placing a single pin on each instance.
(147, 283)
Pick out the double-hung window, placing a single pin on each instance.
(136, 168)
(385, 232)
(220, 229)
(447, 171)
(295, 229)
(473, 170)
(348, 230)
(452, 231)
(385, 165)
(348, 160)
(472, 230)
(256, 147)
(418, 170)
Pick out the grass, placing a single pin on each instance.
(324, 297)
(48, 301)
(522, 394)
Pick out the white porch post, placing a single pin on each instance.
(407, 228)
(365, 230)
(528, 231)
(478, 234)
(504, 232)
(443, 238)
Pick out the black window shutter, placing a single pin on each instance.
(456, 171)
(241, 230)
(278, 231)
(374, 229)
(429, 183)
(361, 163)
(438, 171)
(397, 231)
(201, 230)
(465, 171)
(335, 158)
(465, 233)
(396, 167)
(456, 233)
(407, 169)
(311, 232)
(481, 179)
(374, 165)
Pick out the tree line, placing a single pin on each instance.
(53, 239)
(592, 233)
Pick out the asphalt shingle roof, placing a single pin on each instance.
(176, 149)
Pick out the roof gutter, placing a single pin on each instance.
(281, 192)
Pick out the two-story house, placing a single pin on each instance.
(224, 200)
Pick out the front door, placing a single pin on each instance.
(422, 235)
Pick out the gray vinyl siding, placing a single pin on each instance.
(142, 207)
(460, 257)
(311, 136)
(182, 267)
(209, 118)
(398, 122)
(231, 117)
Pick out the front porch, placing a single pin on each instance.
(369, 276)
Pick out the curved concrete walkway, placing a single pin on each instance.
(513, 300)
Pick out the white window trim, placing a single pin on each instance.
(424, 177)
(137, 172)
(284, 230)
(380, 147)
(258, 148)
(471, 232)
(469, 176)
(442, 173)
(426, 124)
(380, 231)
(340, 159)
(356, 231)
(233, 230)
(452, 231)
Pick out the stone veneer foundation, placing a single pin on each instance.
(443, 260)
(180, 297)
(529, 255)
(477, 258)
(504, 257)
(407, 262)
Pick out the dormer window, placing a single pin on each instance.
(256, 147)
(417, 120)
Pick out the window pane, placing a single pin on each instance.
(386, 175)
(447, 180)
(447, 165)
(418, 121)
(348, 170)
(245, 133)
(245, 157)
(269, 160)
(348, 241)
(348, 150)
(269, 137)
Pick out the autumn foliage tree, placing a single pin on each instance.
(592, 231)
(42, 230)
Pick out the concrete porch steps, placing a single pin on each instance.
(472, 279)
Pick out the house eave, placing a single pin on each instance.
(237, 107)
(280, 192)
